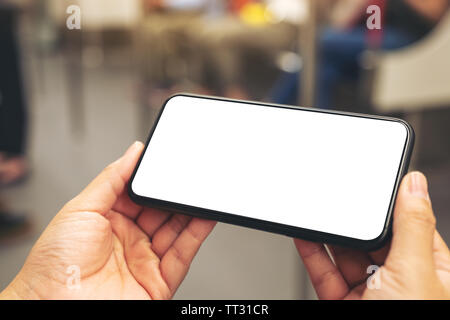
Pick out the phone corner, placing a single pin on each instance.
(180, 94)
(409, 129)
(378, 242)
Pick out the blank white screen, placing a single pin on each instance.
(324, 172)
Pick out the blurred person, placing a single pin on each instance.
(12, 101)
(126, 251)
(13, 166)
(340, 47)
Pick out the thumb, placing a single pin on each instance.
(414, 223)
(101, 194)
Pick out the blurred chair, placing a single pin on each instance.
(87, 46)
(416, 78)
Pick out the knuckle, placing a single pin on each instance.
(180, 257)
(311, 252)
(325, 277)
(420, 212)
(110, 168)
(161, 293)
(195, 235)
(427, 219)
(177, 223)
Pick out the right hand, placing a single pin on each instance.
(414, 265)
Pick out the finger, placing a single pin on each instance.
(326, 278)
(166, 235)
(175, 263)
(379, 256)
(141, 261)
(127, 207)
(152, 219)
(102, 193)
(352, 264)
(414, 224)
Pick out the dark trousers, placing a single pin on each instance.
(339, 53)
(12, 102)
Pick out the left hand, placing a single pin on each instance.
(101, 245)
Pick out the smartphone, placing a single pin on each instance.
(313, 174)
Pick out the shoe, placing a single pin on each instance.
(13, 170)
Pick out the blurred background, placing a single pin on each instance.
(72, 100)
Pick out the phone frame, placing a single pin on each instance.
(287, 230)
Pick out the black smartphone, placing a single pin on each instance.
(319, 175)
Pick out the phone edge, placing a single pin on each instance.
(290, 231)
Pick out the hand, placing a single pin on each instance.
(415, 265)
(121, 250)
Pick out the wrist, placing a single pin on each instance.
(9, 294)
(18, 290)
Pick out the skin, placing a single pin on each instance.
(415, 265)
(123, 251)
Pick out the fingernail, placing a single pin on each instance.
(131, 148)
(418, 185)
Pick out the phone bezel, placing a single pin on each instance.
(283, 229)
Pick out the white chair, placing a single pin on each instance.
(417, 77)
